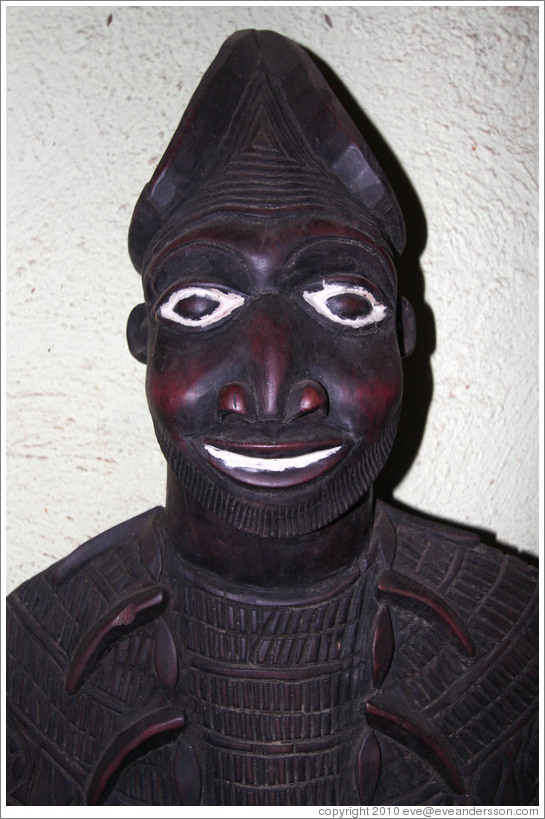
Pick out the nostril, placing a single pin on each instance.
(313, 397)
(306, 397)
(232, 398)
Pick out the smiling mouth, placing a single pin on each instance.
(274, 464)
(269, 463)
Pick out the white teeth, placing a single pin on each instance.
(235, 460)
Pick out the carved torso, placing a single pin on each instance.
(408, 679)
(271, 637)
(277, 690)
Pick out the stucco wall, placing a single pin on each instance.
(93, 96)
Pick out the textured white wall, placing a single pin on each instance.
(93, 96)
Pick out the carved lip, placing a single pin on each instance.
(273, 449)
(271, 460)
(275, 463)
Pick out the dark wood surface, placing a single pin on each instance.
(273, 635)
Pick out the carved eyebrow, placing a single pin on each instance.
(355, 259)
(196, 260)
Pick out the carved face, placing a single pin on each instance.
(274, 373)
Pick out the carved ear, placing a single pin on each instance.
(406, 326)
(137, 332)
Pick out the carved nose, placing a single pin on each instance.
(234, 398)
(266, 387)
(304, 398)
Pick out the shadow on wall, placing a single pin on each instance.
(417, 367)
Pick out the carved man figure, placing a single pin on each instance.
(273, 635)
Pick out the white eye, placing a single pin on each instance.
(344, 303)
(199, 306)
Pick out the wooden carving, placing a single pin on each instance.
(274, 635)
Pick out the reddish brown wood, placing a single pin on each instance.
(383, 645)
(273, 635)
(405, 588)
(163, 721)
(408, 729)
(139, 606)
(368, 768)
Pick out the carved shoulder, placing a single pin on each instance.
(491, 591)
(60, 626)
(464, 674)
(70, 595)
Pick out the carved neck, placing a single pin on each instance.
(205, 540)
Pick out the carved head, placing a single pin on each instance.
(266, 241)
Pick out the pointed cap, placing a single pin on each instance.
(264, 135)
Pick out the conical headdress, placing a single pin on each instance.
(264, 136)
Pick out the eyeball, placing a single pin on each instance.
(350, 305)
(199, 306)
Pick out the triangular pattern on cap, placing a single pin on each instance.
(265, 164)
(264, 134)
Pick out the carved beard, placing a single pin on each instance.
(321, 502)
